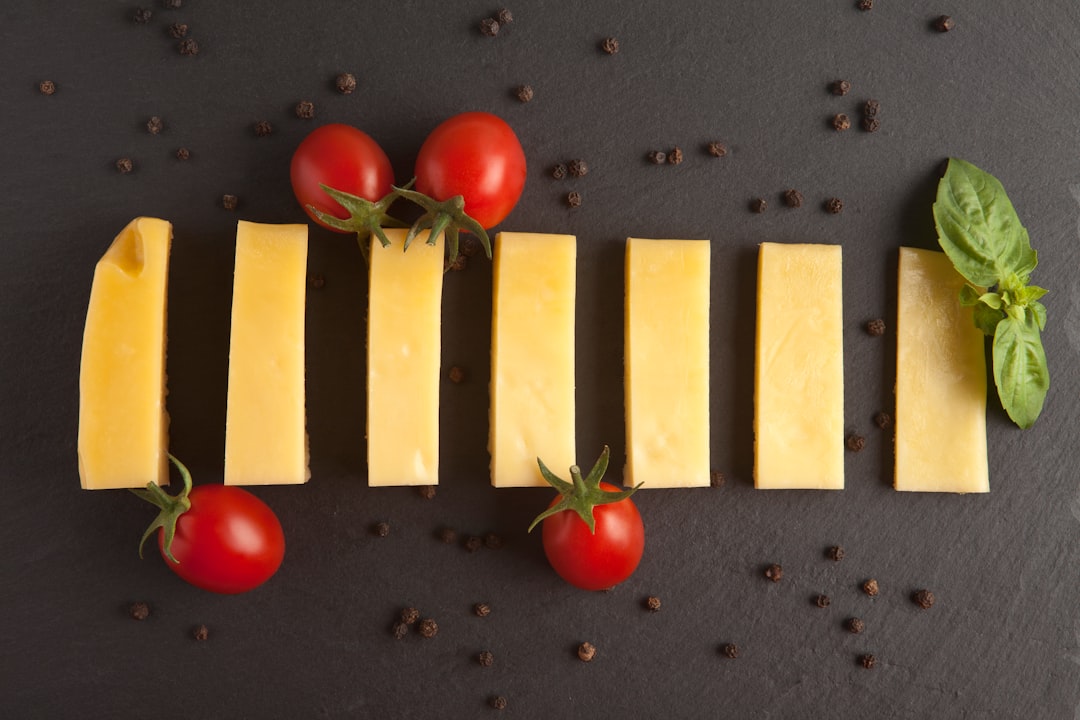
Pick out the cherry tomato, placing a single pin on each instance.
(229, 541)
(601, 560)
(341, 157)
(478, 156)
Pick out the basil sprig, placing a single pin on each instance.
(980, 232)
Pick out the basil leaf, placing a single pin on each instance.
(1039, 311)
(968, 296)
(978, 228)
(987, 318)
(991, 299)
(1029, 294)
(1020, 371)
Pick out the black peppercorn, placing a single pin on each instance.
(716, 479)
(834, 206)
(870, 587)
(428, 628)
(124, 165)
(871, 124)
(229, 202)
(493, 541)
(924, 599)
(558, 172)
(717, 149)
(586, 651)
(178, 30)
(657, 157)
(652, 603)
(305, 109)
(489, 27)
(473, 543)
(944, 24)
(868, 661)
(410, 615)
(841, 122)
(316, 281)
(456, 374)
(183, 153)
(498, 702)
(263, 128)
(142, 15)
(854, 625)
(201, 633)
(485, 658)
(865, 4)
(524, 93)
(730, 651)
(139, 610)
(610, 45)
(154, 125)
(675, 157)
(793, 198)
(871, 108)
(426, 491)
(482, 609)
(380, 529)
(447, 535)
(774, 572)
(875, 327)
(573, 199)
(46, 87)
(399, 630)
(504, 16)
(840, 87)
(188, 46)
(822, 601)
(345, 83)
(883, 419)
(855, 442)
(577, 168)
(758, 205)
(835, 553)
(172, 4)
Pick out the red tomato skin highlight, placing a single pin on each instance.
(478, 156)
(344, 158)
(228, 542)
(595, 561)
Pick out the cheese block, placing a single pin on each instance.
(265, 429)
(799, 368)
(123, 425)
(940, 381)
(404, 349)
(532, 357)
(667, 363)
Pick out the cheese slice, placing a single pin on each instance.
(404, 349)
(667, 363)
(940, 381)
(265, 437)
(799, 369)
(123, 425)
(532, 357)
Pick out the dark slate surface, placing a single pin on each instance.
(1000, 90)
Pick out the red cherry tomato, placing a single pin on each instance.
(601, 560)
(478, 156)
(228, 542)
(341, 157)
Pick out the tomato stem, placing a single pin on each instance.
(584, 493)
(171, 506)
(366, 218)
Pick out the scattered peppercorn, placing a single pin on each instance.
(305, 109)
(456, 374)
(871, 124)
(229, 202)
(154, 125)
(485, 658)
(657, 157)
(841, 122)
(188, 46)
(924, 599)
(875, 327)
(124, 165)
(717, 479)
(400, 630)
(426, 491)
(944, 24)
(504, 16)
(865, 4)
(448, 535)
(610, 45)
(573, 199)
(473, 543)
(178, 31)
(870, 587)
(182, 153)
(381, 529)
(428, 628)
(834, 206)
(871, 108)
(868, 661)
(882, 419)
(774, 572)
(586, 651)
(469, 245)
(855, 442)
(717, 149)
(498, 702)
(758, 205)
(731, 651)
(493, 541)
(172, 4)
(835, 553)
(489, 27)
(558, 172)
(840, 87)
(316, 281)
(460, 263)
(345, 83)
(142, 15)
(139, 610)
(201, 633)
(822, 601)
(675, 156)
(577, 168)
(854, 625)
(524, 93)
(263, 128)
(652, 603)
(46, 87)
(793, 198)
(482, 609)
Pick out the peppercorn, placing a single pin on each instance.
(835, 553)
(944, 24)
(139, 610)
(854, 625)
(657, 157)
(793, 198)
(154, 125)
(504, 16)
(758, 205)
(840, 87)
(178, 30)
(46, 87)
(263, 128)
(577, 168)
(489, 27)
(400, 630)
(675, 157)
(865, 4)
(610, 45)
(459, 263)
(573, 199)
(305, 109)
(586, 651)
(426, 491)
(485, 658)
(142, 15)
(716, 479)
(870, 587)
(345, 83)
(841, 122)
(482, 609)
(182, 153)
(524, 93)
(498, 702)
(188, 46)
(447, 535)
(410, 615)
(730, 651)
(229, 202)
(493, 541)
(868, 661)
(172, 4)
(822, 601)
(473, 543)
(124, 165)
(924, 599)
(381, 529)
(871, 124)
(428, 628)
(871, 108)
(875, 327)
(652, 603)
(558, 172)
(882, 419)
(834, 206)
(855, 442)
(774, 572)
(201, 633)
(316, 281)
(469, 245)
(456, 374)
(716, 149)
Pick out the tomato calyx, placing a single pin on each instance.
(172, 507)
(583, 493)
(447, 216)
(365, 217)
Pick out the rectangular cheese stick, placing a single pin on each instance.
(667, 363)
(940, 381)
(123, 425)
(532, 357)
(799, 368)
(404, 351)
(265, 424)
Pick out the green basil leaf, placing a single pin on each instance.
(1020, 371)
(1029, 294)
(978, 228)
(987, 318)
(991, 299)
(1039, 311)
(968, 296)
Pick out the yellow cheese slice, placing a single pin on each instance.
(265, 435)
(940, 381)
(123, 425)
(532, 357)
(404, 348)
(799, 369)
(667, 363)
